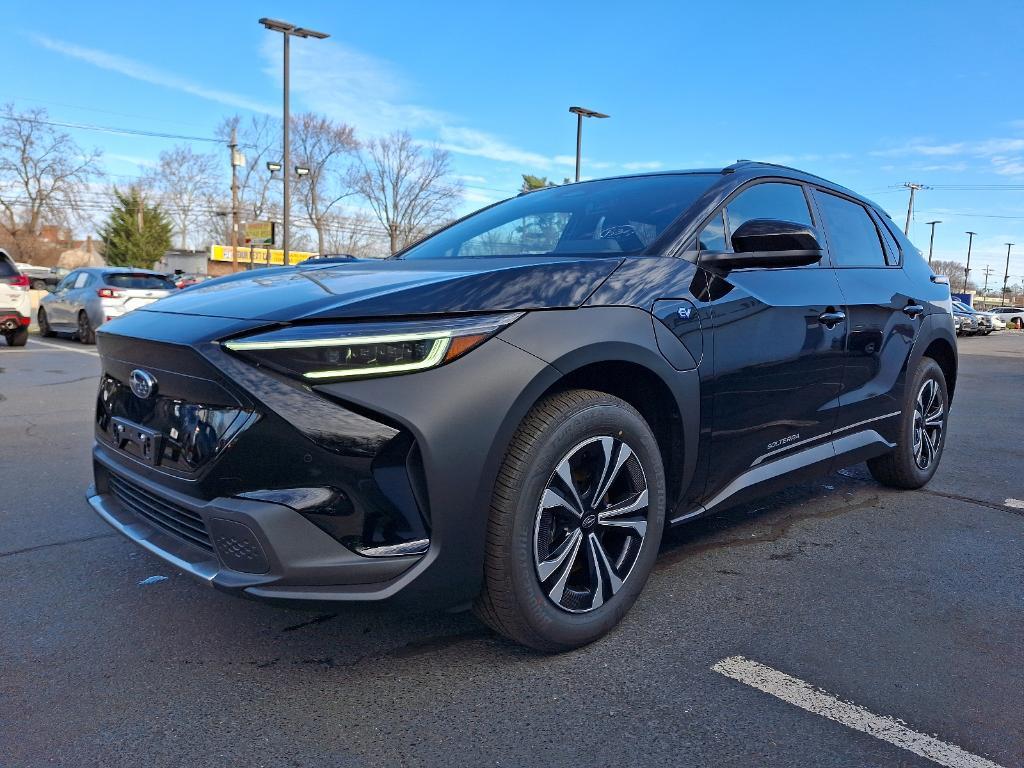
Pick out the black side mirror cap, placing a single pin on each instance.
(766, 243)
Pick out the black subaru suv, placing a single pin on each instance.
(509, 413)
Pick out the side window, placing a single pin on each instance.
(772, 200)
(83, 280)
(892, 248)
(853, 239)
(712, 237)
(67, 282)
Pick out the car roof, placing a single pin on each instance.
(746, 170)
(120, 270)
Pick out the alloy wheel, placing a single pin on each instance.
(591, 524)
(929, 419)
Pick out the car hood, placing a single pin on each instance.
(396, 287)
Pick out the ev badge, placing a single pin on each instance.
(143, 383)
(684, 312)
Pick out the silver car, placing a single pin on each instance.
(87, 298)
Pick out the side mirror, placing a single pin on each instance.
(766, 243)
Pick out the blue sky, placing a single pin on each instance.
(868, 94)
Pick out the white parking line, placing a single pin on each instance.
(804, 695)
(66, 349)
(1014, 503)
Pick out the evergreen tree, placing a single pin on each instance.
(137, 234)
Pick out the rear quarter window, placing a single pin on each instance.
(7, 268)
(853, 238)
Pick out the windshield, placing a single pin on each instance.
(139, 281)
(613, 216)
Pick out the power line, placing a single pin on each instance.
(113, 129)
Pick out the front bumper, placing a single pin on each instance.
(255, 548)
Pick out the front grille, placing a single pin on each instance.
(166, 515)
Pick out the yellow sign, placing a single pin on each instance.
(259, 232)
(257, 255)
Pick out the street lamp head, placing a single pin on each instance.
(939, 221)
(302, 32)
(584, 112)
(273, 167)
(277, 26)
(968, 232)
(301, 170)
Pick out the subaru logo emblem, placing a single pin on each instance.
(143, 383)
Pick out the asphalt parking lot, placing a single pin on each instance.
(909, 605)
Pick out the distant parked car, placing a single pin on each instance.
(187, 279)
(984, 319)
(15, 308)
(1010, 315)
(40, 278)
(87, 298)
(965, 323)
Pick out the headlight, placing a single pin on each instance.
(349, 350)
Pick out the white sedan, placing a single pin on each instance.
(1009, 315)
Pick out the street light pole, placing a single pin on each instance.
(287, 30)
(931, 241)
(580, 113)
(967, 269)
(1006, 274)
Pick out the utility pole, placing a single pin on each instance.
(910, 206)
(1006, 274)
(967, 269)
(984, 291)
(233, 147)
(931, 241)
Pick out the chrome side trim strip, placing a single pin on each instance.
(806, 457)
(825, 436)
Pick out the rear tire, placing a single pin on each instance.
(17, 338)
(86, 334)
(44, 325)
(575, 522)
(922, 432)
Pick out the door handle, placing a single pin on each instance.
(831, 319)
(913, 310)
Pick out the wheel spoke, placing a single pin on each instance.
(596, 579)
(611, 473)
(608, 573)
(564, 472)
(565, 551)
(558, 591)
(555, 500)
(935, 419)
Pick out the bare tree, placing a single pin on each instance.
(954, 270)
(259, 139)
(407, 187)
(325, 148)
(358, 235)
(44, 176)
(186, 184)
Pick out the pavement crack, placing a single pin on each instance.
(971, 500)
(90, 377)
(56, 544)
(317, 620)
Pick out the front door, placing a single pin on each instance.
(778, 340)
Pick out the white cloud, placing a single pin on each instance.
(350, 86)
(469, 141)
(471, 179)
(147, 74)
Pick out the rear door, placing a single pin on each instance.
(778, 341)
(884, 317)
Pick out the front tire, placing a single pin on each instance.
(922, 432)
(575, 523)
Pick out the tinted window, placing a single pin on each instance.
(712, 237)
(7, 268)
(612, 216)
(139, 281)
(83, 280)
(892, 248)
(852, 236)
(769, 201)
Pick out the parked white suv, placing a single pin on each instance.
(15, 307)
